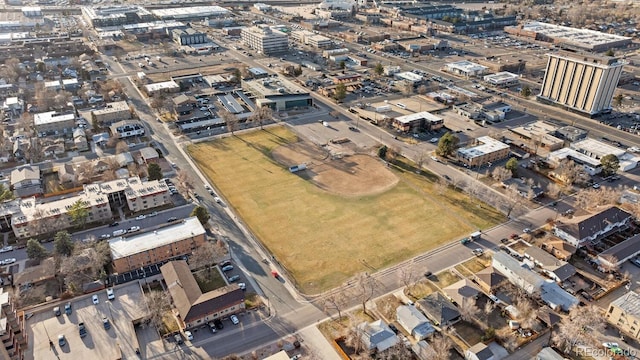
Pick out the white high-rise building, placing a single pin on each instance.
(265, 40)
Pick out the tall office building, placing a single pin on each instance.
(582, 83)
(265, 40)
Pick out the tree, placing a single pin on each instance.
(158, 303)
(512, 165)
(62, 244)
(261, 114)
(201, 213)
(5, 193)
(618, 99)
(382, 152)
(447, 144)
(155, 171)
(84, 173)
(582, 326)
(569, 172)
(421, 159)
(35, 250)
(230, 120)
(610, 164)
(121, 147)
(379, 69)
(422, 89)
(468, 310)
(526, 91)
(342, 64)
(406, 88)
(406, 275)
(79, 213)
(237, 76)
(335, 301)
(365, 287)
(441, 345)
(610, 52)
(87, 263)
(205, 255)
(340, 92)
(501, 174)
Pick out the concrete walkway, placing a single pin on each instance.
(317, 343)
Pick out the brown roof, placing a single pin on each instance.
(36, 274)
(187, 297)
(490, 277)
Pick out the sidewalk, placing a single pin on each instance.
(317, 344)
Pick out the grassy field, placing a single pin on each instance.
(321, 238)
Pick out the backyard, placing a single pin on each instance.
(340, 216)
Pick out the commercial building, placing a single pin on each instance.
(571, 133)
(265, 40)
(162, 87)
(126, 129)
(590, 165)
(624, 313)
(196, 308)
(465, 68)
(502, 79)
(567, 37)
(112, 16)
(309, 38)
(190, 12)
(53, 122)
(277, 93)
(538, 136)
(12, 331)
(418, 122)
(112, 112)
(597, 150)
(581, 230)
(165, 243)
(581, 83)
(188, 36)
(485, 150)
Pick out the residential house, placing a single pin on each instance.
(377, 336)
(479, 351)
(21, 147)
(35, 275)
(165, 243)
(25, 181)
(439, 309)
(624, 313)
(522, 276)
(124, 159)
(462, 290)
(149, 155)
(616, 255)
(549, 265)
(13, 106)
(196, 308)
(414, 322)
(80, 140)
(488, 279)
(423, 350)
(590, 228)
(67, 174)
(560, 249)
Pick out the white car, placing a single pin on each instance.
(141, 217)
(155, 213)
(477, 252)
(188, 335)
(610, 345)
(6, 249)
(95, 299)
(8, 261)
(134, 229)
(234, 319)
(435, 159)
(242, 286)
(434, 140)
(218, 200)
(110, 294)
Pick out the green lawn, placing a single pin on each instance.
(321, 238)
(209, 280)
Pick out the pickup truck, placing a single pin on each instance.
(465, 241)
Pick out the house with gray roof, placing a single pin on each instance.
(414, 322)
(591, 228)
(439, 309)
(488, 279)
(618, 254)
(462, 290)
(377, 336)
(25, 181)
(548, 264)
(479, 351)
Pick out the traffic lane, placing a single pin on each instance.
(242, 337)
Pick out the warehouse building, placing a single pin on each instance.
(277, 93)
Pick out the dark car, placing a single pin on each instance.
(225, 263)
(504, 240)
(427, 273)
(393, 328)
(218, 323)
(82, 330)
(172, 219)
(114, 224)
(106, 323)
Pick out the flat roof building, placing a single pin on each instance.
(109, 16)
(503, 78)
(190, 12)
(538, 135)
(418, 122)
(581, 83)
(624, 313)
(265, 40)
(164, 86)
(466, 68)
(597, 149)
(188, 36)
(277, 93)
(564, 36)
(112, 112)
(54, 122)
(486, 150)
(590, 165)
(153, 247)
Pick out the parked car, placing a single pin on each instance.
(110, 294)
(225, 263)
(105, 236)
(106, 323)
(67, 308)
(242, 286)
(95, 299)
(141, 217)
(393, 328)
(427, 273)
(212, 327)
(609, 345)
(6, 249)
(526, 230)
(114, 224)
(188, 335)
(234, 278)
(62, 341)
(56, 311)
(227, 268)
(155, 213)
(82, 329)
(477, 252)
(172, 219)
(178, 339)
(218, 323)
(234, 319)
(134, 229)
(465, 241)
(635, 261)
(217, 200)
(504, 240)
(7, 261)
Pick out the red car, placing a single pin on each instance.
(275, 274)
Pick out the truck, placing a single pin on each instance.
(476, 235)
(383, 108)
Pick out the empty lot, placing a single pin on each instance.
(331, 221)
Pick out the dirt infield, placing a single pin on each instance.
(346, 175)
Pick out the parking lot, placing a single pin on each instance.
(119, 341)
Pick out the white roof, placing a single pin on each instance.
(162, 85)
(127, 246)
(418, 116)
(466, 66)
(501, 77)
(191, 11)
(581, 36)
(596, 148)
(562, 154)
(51, 117)
(487, 146)
(408, 75)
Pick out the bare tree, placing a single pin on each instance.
(230, 120)
(570, 173)
(527, 310)
(511, 199)
(365, 287)
(441, 346)
(41, 223)
(489, 306)
(501, 173)
(121, 147)
(84, 173)
(353, 337)
(85, 265)
(553, 190)
(396, 352)
(158, 304)
(406, 88)
(469, 310)
(422, 89)
(440, 185)
(184, 182)
(261, 114)
(407, 276)
(335, 301)
(582, 326)
(421, 160)
(205, 255)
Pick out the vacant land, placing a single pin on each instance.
(340, 216)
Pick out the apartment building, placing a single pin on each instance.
(126, 129)
(168, 242)
(485, 151)
(581, 83)
(265, 40)
(112, 112)
(624, 313)
(52, 122)
(12, 331)
(580, 230)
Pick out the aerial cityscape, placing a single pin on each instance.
(322, 180)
